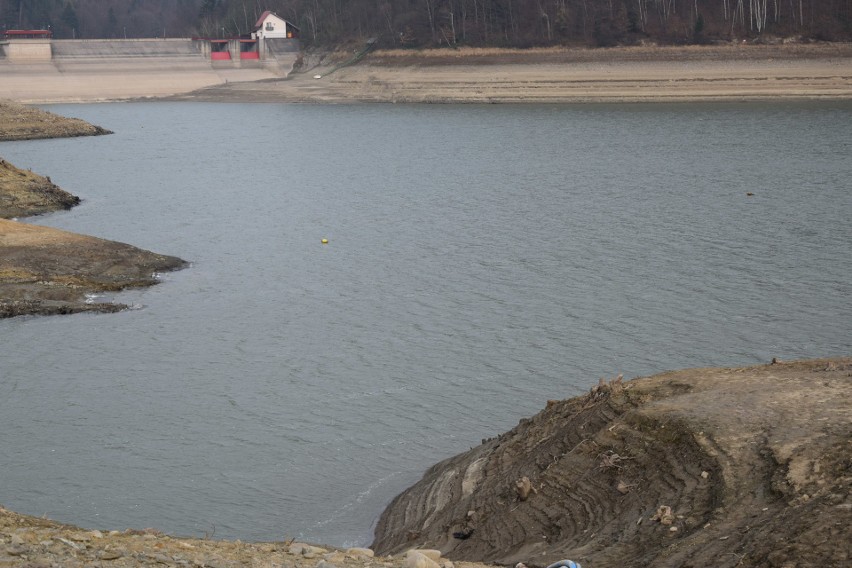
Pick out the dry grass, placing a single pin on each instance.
(23, 193)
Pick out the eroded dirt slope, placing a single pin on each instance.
(723, 467)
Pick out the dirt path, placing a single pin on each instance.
(703, 467)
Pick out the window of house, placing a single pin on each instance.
(269, 26)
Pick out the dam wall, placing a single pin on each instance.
(222, 53)
(124, 48)
(26, 50)
(45, 71)
(277, 56)
(127, 56)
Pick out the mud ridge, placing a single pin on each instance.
(723, 467)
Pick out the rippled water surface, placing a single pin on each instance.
(482, 259)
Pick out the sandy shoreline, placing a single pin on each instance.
(556, 75)
(566, 76)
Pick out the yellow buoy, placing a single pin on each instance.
(325, 241)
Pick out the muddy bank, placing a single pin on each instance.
(45, 271)
(723, 467)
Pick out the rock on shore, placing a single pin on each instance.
(29, 541)
(702, 467)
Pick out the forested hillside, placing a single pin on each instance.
(424, 23)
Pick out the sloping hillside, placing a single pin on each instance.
(721, 467)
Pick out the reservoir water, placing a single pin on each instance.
(481, 260)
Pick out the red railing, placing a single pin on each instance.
(30, 34)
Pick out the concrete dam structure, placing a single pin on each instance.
(48, 70)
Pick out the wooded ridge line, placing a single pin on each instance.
(428, 23)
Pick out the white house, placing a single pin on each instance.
(271, 25)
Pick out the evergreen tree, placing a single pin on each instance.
(404, 23)
(69, 18)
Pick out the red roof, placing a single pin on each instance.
(262, 17)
